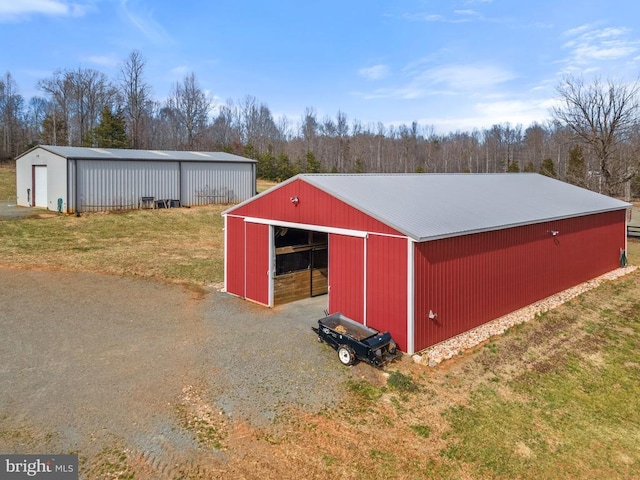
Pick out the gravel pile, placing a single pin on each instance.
(434, 355)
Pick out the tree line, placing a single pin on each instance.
(593, 139)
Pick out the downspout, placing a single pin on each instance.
(255, 179)
(180, 182)
(68, 186)
(75, 194)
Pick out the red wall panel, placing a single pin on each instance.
(257, 262)
(472, 279)
(346, 276)
(314, 207)
(387, 286)
(235, 255)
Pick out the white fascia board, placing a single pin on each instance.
(304, 226)
(224, 288)
(410, 297)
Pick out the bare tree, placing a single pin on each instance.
(189, 107)
(136, 95)
(260, 130)
(36, 114)
(603, 117)
(309, 128)
(78, 97)
(11, 106)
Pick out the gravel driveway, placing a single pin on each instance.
(90, 361)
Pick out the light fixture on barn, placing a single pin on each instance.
(295, 200)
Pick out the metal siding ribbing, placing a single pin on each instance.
(387, 286)
(235, 255)
(106, 185)
(257, 244)
(205, 183)
(472, 279)
(346, 276)
(314, 207)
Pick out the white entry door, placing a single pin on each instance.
(40, 186)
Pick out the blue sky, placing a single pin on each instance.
(453, 65)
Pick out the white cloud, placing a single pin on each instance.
(588, 46)
(466, 12)
(16, 10)
(464, 78)
(375, 72)
(454, 79)
(103, 60)
(144, 22)
(180, 71)
(484, 115)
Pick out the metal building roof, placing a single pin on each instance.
(432, 206)
(87, 153)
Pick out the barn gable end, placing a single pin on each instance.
(299, 202)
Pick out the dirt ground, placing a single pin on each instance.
(11, 210)
(177, 381)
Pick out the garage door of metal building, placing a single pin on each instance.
(40, 186)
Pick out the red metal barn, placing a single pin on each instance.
(425, 257)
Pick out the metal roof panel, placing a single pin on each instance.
(431, 206)
(86, 153)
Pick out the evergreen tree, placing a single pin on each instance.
(576, 168)
(529, 167)
(513, 167)
(110, 132)
(313, 165)
(284, 168)
(548, 168)
(267, 167)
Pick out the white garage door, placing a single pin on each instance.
(40, 186)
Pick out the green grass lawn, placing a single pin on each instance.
(8, 182)
(177, 244)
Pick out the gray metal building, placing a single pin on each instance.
(78, 179)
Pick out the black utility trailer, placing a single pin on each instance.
(354, 341)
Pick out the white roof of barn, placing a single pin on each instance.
(87, 153)
(432, 206)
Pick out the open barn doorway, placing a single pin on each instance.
(301, 264)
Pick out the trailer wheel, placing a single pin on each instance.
(345, 354)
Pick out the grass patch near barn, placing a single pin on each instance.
(8, 182)
(262, 185)
(181, 244)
